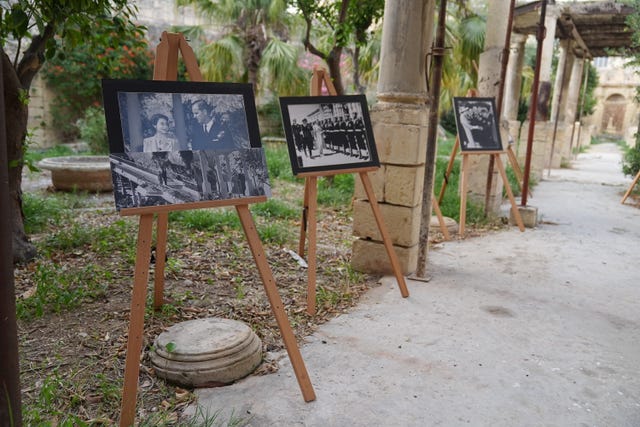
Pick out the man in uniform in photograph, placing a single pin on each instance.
(296, 129)
(307, 138)
(361, 140)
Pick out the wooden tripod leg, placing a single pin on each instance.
(136, 322)
(452, 159)
(514, 207)
(633, 184)
(463, 193)
(305, 219)
(276, 303)
(395, 265)
(443, 226)
(516, 168)
(311, 259)
(161, 253)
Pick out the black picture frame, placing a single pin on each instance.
(176, 142)
(477, 124)
(328, 134)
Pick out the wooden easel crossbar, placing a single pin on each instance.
(308, 227)
(630, 189)
(166, 67)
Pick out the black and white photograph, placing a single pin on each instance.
(180, 142)
(148, 116)
(164, 177)
(477, 124)
(326, 133)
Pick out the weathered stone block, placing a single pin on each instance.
(403, 185)
(371, 256)
(377, 182)
(402, 223)
(529, 215)
(405, 114)
(400, 144)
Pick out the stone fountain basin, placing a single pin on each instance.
(79, 173)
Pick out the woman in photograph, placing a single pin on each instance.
(162, 139)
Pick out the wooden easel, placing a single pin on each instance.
(166, 67)
(456, 146)
(633, 184)
(464, 175)
(309, 221)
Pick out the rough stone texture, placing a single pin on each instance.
(377, 182)
(377, 261)
(542, 135)
(402, 223)
(403, 185)
(211, 351)
(400, 132)
(400, 144)
(529, 215)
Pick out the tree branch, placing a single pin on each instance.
(33, 57)
(307, 41)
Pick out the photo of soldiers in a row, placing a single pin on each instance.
(326, 134)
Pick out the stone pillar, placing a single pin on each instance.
(488, 86)
(399, 120)
(513, 77)
(559, 86)
(544, 91)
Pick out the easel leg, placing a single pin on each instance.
(443, 226)
(516, 168)
(161, 253)
(276, 303)
(514, 207)
(452, 160)
(463, 193)
(136, 321)
(633, 184)
(305, 219)
(366, 183)
(312, 190)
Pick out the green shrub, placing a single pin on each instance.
(631, 161)
(116, 49)
(93, 130)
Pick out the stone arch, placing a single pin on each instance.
(615, 108)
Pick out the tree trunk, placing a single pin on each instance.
(333, 62)
(16, 114)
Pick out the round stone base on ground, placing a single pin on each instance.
(206, 352)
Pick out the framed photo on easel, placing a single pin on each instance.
(328, 133)
(183, 142)
(477, 124)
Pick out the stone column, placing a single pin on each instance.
(544, 91)
(559, 86)
(399, 120)
(489, 86)
(513, 77)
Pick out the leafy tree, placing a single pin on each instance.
(349, 24)
(254, 47)
(117, 49)
(35, 23)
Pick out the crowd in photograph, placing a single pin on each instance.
(343, 134)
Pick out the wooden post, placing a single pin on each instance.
(136, 321)
(276, 303)
(388, 245)
(633, 184)
(514, 207)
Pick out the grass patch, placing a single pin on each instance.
(58, 288)
(273, 208)
(278, 161)
(41, 213)
(336, 192)
(215, 220)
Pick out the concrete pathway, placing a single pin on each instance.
(540, 328)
